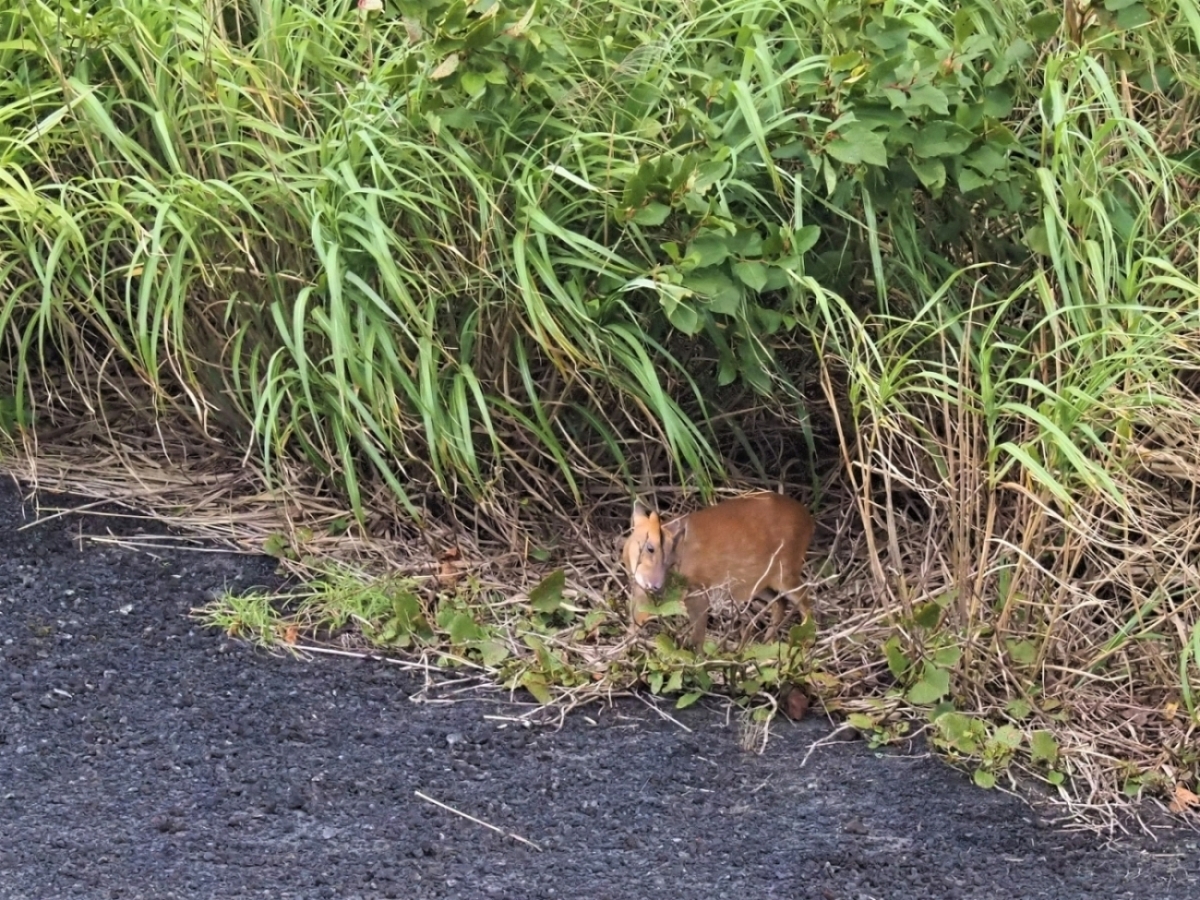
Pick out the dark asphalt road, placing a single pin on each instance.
(142, 757)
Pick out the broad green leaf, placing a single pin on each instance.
(1023, 653)
(844, 62)
(721, 294)
(463, 629)
(887, 33)
(474, 83)
(483, 33)
(941, 139)
(959, 732)
(932, 172)
(947, 657)
(985, 159)
(672, 607)
(276, 545)
(406, 607)
(927, 615)
(765, 319)
(861, 722)
(709, 173)
(858, 145)
(970, 180)
(1037, 240)
(1008, 737)
(941, 708)
(1043, 747)
(492, 653)
(998, 102)
(747, 243)
(1045, 25)
(931, 97)
(934, 685)
(537, 686)
(709, 249)
(985, 779)
(1018, 708)
(548, 596)
(752, 368)
(805, 239)
(898, 662)
(805, 632)
(726, 369)
(681, 315)
(1134, 16)
(751, 273)
(652, 214)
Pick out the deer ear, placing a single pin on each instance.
(640, 513)
(672, 533)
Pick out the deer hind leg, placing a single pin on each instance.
(798, 598)
(752, 615)
(697, 609)
(778, 612)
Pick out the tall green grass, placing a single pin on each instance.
(1043, 416)
(294, 219)
(421, 248)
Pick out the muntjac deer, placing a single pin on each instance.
(736, 550)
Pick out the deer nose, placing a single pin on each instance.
(649, 583)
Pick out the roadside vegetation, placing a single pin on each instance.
(417, 298)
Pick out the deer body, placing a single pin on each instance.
(736, 550)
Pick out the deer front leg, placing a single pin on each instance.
(640, 603)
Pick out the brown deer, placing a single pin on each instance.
(743, 548)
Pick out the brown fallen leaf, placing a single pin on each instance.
(290, 634)
(1184, 799)
(795, 702)
(448, 570)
